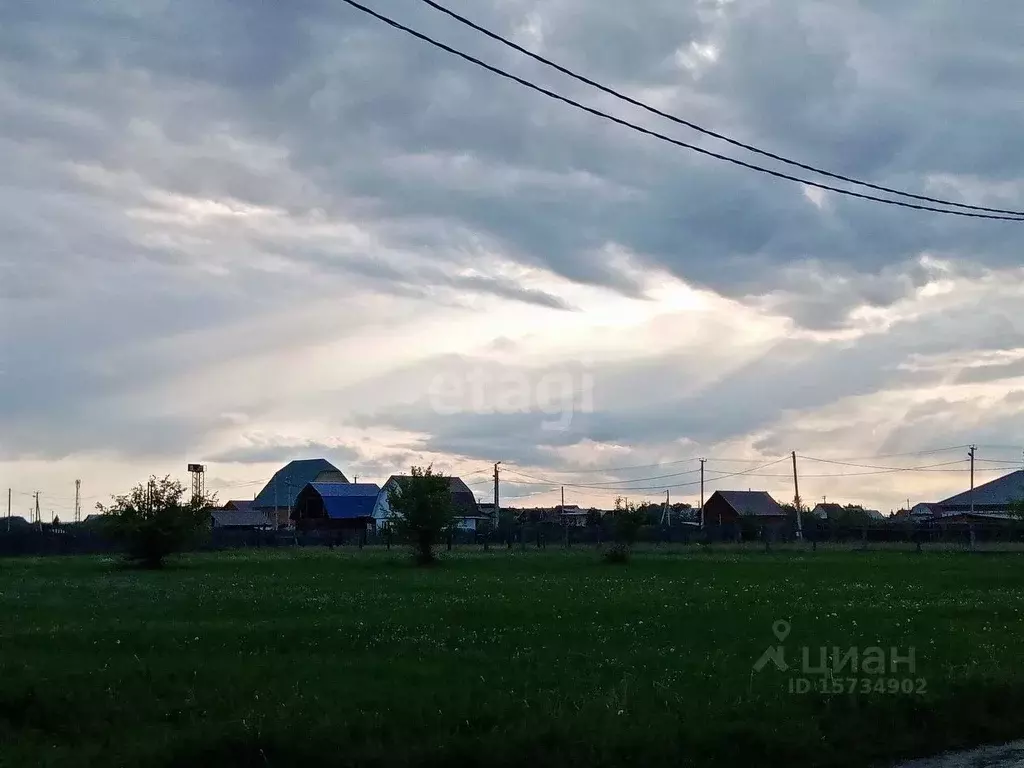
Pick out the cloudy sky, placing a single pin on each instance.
(244, 232)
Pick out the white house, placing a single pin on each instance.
(467, 512)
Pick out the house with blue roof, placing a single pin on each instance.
(278, 497)
(335, 505)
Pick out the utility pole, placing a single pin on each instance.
(9, 510)
(702, 493)
(497, 504)
(796, 491)
(971, 454)
(38, 518)
(78, 501)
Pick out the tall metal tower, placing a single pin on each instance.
(78, 501)
(198, 472)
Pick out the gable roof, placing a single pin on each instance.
(999, 492)
(347, 501)
(462, 497)
(288, 482)
(752, 503)
(239, 506)
(829, 509)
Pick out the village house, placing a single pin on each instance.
(335, 506)
(729, 507)
(994, 501)
(467, 512)
(278, 497)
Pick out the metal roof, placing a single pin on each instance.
(752, 503)
(288, 482)
(1000, 492)
(347, 501)
(463, 498)
(230, 519)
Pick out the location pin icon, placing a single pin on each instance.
(781, 630)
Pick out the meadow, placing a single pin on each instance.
(317, 657)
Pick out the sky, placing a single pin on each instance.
(242, 233)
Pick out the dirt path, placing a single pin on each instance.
(1006, 756)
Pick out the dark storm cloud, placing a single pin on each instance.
(310, 108)
(343, 94)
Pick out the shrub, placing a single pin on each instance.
(626, 521)
(152, 521)
(422, 511)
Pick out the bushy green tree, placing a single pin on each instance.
(422, 511)
(625, 522)
(154, 520)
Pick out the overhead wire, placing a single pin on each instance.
(663, 137)
(701, 129)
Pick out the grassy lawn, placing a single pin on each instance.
(313, 658)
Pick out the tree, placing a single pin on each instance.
(1017, 509)
(422, 511)
(153, 520)
(626, 521)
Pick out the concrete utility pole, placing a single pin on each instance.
(702, 493)
(796, 500)
(971, 454)
(78, 501)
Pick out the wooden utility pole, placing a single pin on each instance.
(497, 498)
(971, 454)
(796, 500)
(702, 493)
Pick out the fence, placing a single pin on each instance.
(77, 540)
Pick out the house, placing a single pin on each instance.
(467, 511)
(997, 497)
(727, 507)
(921, 512)
(994, 499)
(279, 495)
(239, 506)
(335, 505)
(572, 516)
(833, 511)
(245, 520)
(828, 511)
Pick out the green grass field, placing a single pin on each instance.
(317, 658)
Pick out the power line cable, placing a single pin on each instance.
(625, 123)
(548, 481)
(888, 469)
(706, 131)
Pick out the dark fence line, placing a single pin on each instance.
(71, 540)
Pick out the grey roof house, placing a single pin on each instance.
(729, 506)
(466, 509)
(996, 498)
